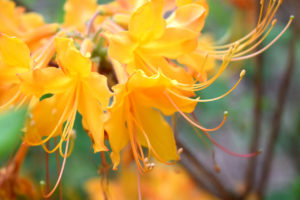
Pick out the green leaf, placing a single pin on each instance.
(11, 124)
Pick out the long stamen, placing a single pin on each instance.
(139, 185)
(258, 42)
(267, 46)
(242, 74)
(254, 35)
(133, 145)
(42, 57)
(228, 151)
(255, 31)
(149, 146)
(58, 170)
(67, 129)
(21, 103)
(197, 87)
(60, 121)
(191, 121)
(60, 174)
(10, 101)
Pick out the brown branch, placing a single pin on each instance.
(257, 119)
(195, 168)
(276, 120)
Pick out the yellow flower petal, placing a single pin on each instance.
(191, 16)
(203, 3)
(92, 119)
(9, 23)
(78, 12)
(150, 91)
(147, 22)
(70, 59)
(42, 81)
(32, 20)
(174, 42)
(14, 52)
(96, 85)
(197, 61)
(115, 124)
(121, 47)
(45, 117)
(173, 71)
(159, 133)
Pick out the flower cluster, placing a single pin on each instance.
(124, 67)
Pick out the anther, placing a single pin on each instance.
(242, 74)
(226, 113)
(179, 152)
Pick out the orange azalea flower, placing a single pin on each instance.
(15, 59)
(75, 88)
(30, 27)
(148, 44)
(133, 118)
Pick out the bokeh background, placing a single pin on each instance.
(263, 85)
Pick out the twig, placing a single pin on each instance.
(190, 162)
(257, 119)
(276, 121)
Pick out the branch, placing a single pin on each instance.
(195, 167)
(277, 117)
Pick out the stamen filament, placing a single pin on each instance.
(242, 74)
(267, 46)
(228, 151)
(10, 101)
(191, 121)
(60, 173)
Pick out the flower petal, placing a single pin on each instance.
(174, 42)
(70, 59)
(96, 84)
(147, 22)
(159, 133)
(45, 116)
(9, 23)
(77, 12)
(121, 47)
(14, 52)
(150, 91)
(43, 81)
(191, 16)
(92, 119)
(115, 124)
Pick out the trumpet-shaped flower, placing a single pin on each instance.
(151, 40)
(74, 88)
(135, 117)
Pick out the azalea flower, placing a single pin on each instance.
(75, 88)
(148, 44)
(134, 118)
(154, 49)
